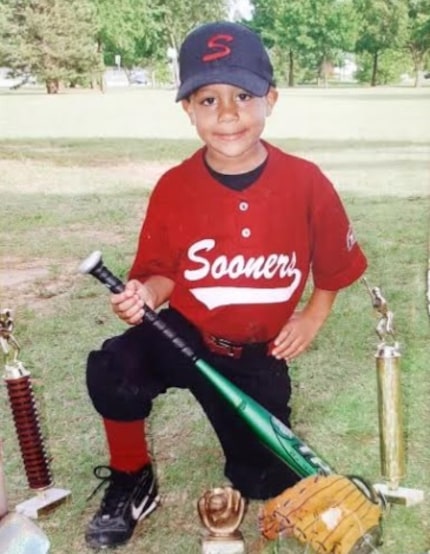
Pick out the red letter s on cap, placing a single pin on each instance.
(222, 50)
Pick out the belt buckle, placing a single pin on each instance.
(232, 350)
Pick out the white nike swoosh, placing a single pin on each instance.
(213, 297)
(136, 511)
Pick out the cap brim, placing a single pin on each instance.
(237, 77)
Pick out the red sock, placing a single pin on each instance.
(127, 444)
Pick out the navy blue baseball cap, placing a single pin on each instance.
(225, 53)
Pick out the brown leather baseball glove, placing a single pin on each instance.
(331, 513)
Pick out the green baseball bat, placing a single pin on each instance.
(270, 431)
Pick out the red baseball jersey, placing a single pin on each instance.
(240, 259)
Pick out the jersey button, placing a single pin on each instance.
(243, 206)
(246, 233)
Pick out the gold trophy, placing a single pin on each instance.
(390, 413)
(221, 512)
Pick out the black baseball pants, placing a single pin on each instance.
(132, 369)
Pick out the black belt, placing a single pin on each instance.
(224, 347)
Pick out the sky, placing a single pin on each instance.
(244, 7)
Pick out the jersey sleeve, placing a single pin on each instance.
(155, 254)
(337, 259)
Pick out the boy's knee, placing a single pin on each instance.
(260, 482)
(113, 396)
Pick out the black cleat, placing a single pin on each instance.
(129, 498)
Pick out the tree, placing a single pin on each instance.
(313, 33)
(332, 31)
(418, 34)
(391, 65)
(127, 28)
(283, 26)
(381, 27)
(179, 18)
(142, 31)
(54, 40)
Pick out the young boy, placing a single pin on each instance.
(229, 240)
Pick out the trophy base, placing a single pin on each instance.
(223, 546)
(44, 502)
(400, 495)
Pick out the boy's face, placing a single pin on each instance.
(230, 121)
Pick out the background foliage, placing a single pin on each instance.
(70, 41)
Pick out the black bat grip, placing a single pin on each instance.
(169, 333)
(94, 266)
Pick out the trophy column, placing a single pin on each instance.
(390, 409)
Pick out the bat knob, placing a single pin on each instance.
(91, 262)
(95, 267)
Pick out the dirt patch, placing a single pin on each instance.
(34, 177)
(18, 275)
(31, 283)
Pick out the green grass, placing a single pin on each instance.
(60, 316)
(94, 152)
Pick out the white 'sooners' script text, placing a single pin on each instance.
(255, 267)
(261, 267)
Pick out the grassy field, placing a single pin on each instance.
(306, 113)
(77, 170)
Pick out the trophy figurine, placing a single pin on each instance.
(221, 512)
(390, 413)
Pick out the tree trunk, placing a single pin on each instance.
(374, 70)
(100, 81)
(322, 74)
(291, 69)
(418, 66)
(326, 71)
(52, 86)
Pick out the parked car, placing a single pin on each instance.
(139, 77)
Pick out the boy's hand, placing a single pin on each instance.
(300, 330)
(128, 305)
(295, 336)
